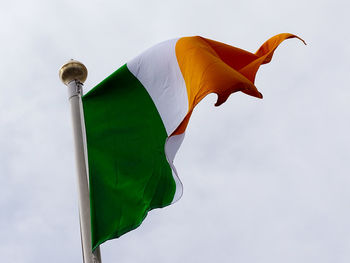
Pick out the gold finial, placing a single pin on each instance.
(73, 70)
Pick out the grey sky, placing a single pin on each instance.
(264, 180)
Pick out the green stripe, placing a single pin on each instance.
(129, 173)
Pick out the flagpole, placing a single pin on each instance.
(73, 74)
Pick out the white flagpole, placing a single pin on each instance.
(73, 74)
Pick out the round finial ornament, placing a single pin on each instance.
(73, 70)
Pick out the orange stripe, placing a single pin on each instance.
(208, 66)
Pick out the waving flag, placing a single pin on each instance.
(136, 119)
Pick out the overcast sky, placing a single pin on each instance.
(264, 180)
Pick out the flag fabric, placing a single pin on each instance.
(136, 118)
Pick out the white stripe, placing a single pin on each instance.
(158, 71)
(172, 145)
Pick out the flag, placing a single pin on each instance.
(136, 118)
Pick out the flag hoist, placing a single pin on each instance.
(73, 74)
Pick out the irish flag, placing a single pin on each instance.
(136, 119)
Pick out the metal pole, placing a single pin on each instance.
(73, 74)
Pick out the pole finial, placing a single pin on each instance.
(73, 70)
